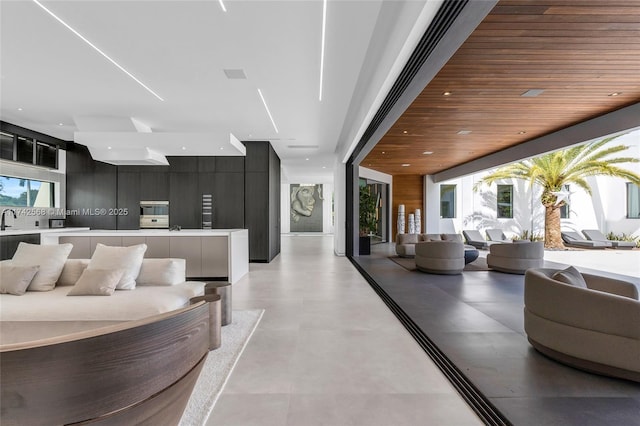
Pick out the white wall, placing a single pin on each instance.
(605, 209)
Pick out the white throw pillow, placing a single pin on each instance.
(127, 258)
(570, 276)
(15, 279)
(71, 272)
(97, 282)
(50, 259)
(167, 271)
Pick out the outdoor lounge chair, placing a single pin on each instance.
(497, 235)
(596, 235)
(475, 238)
(573, 239)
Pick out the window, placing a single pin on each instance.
(6, 146)
(447, 201)
(565, 210)
(505, 201)
(25, 150)
(17, 192)
(633, 201)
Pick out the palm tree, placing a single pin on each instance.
(570, 166)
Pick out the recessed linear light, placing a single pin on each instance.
(96, 49)
(406, 165)
(427, 153)
(464, 132)
(268, 112)
(324, 27)
(614, 94)
(224, 9)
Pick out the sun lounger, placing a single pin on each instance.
(474, 238)
(573, 239)
(596, 235)
(497, 235)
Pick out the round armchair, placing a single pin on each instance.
(440, 257)
(515, 258)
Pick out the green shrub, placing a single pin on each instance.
(623, 237)
(528, 235)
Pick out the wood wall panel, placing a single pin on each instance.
(407, 190)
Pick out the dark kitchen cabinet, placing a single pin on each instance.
(262, 201)
(91, 190)
(185, 201)
(9, 243)
(228, 200)
(129, 199)
(154, 186)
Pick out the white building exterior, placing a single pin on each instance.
(606, 209)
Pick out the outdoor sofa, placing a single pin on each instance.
(516, 258)
(585, 321)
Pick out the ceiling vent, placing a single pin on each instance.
(532, 93)
(235, 74)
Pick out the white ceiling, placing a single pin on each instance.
(179, 49)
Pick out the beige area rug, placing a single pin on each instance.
(408, 263)
(219, 365)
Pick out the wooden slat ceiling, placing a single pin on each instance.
(580, 52)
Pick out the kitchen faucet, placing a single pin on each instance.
(2, 224)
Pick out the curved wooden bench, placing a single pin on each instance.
(138, 372)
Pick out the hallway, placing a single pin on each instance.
(329, 352)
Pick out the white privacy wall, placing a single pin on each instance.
(606, 209)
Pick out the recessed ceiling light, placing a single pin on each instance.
(531, 93)
(60, 124)
(222, 148)
(120, 67)
(405, 132)
(383, 152)
(108, 147)
(19, 109)
(615, 94)
(406, 165)
(427, 153)
(184, 148)
(464, 132)
(224, 9)
(324, 167)
(306, 159)
(446, 94)
(522, 132)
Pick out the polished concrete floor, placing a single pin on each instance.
(329, 352)
(476, 319)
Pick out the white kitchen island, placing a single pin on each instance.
(210, 253)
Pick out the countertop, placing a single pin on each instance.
(149, 232)
(11, 231)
